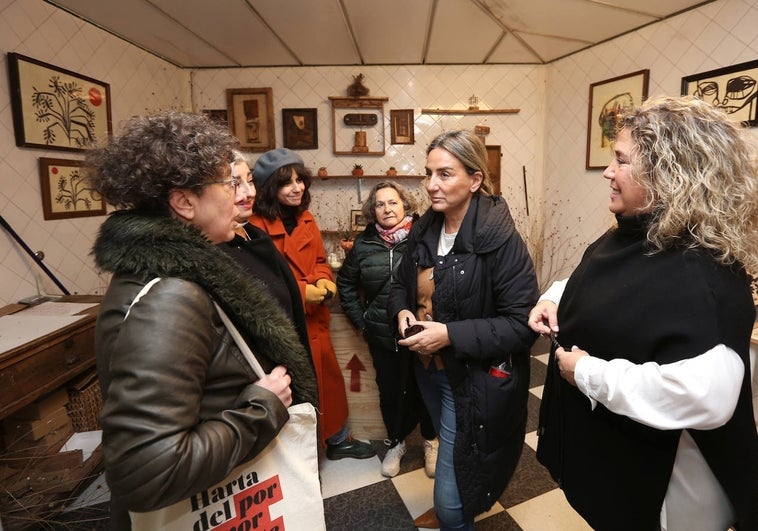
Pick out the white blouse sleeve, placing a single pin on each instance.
(699, 392)
(554, 292)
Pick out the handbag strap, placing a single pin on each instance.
(241, 344)
(244, 348)
(141, 293)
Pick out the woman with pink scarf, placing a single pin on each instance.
(363, 286)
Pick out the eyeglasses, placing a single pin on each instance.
(232, 183)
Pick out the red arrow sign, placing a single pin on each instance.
(355, 366)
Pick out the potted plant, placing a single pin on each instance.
(392, 172)
(346, 239)
(322, 171)
(357, 169)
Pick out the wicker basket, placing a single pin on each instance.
(84, 402)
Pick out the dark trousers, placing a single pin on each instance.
(399, 397)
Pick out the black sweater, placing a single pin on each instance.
(623, 302)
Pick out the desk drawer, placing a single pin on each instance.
(46, 369)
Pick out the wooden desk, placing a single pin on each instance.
(38, 481)
(40, 366)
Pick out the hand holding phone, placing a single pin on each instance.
(411, 330)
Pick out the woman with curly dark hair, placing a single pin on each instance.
(181, 406)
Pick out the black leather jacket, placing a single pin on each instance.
(180, 407)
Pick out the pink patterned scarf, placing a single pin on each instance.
(397, 233)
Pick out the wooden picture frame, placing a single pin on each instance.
(608, 99)
(54, 108)
(494, 154)
(402, 126)
(66, 192)
(734, 89)
(357, 220)
(250, 112)
(300, 128)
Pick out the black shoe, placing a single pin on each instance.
(350, 448)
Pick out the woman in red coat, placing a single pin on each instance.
(281, 210)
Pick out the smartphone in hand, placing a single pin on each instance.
(412, 330)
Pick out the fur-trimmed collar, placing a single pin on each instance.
(152, 246)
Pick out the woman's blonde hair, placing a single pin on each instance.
(701, 171)
(470, 150)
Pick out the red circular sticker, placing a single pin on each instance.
(95, 97)
(54, 170)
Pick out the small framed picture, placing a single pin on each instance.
(357, 220)
(401, 126)
(250, 112)
(300, 128)
(608, 100)
(734, 89)
(66, 193)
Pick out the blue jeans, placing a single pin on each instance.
(339, 437)
(438, 396)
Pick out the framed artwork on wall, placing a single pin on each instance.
(609, 99)
(494, 154)
(66, 192)
(401, 126)
(54, 108)
(357, 220)
(250, 112)
(734, 89)
(300, 128)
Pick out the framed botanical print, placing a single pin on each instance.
(54, 108)
(66, 193)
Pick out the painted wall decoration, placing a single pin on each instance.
(66, 192)
(733, 88)
(608, 99)
(300, 128)
(54, 108)
(250, 112)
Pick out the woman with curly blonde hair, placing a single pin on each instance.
(707, 199)
(648, 385)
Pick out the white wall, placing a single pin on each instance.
(719, 34)
(139, 82)
(407, 87)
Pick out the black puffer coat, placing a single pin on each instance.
(484, 290)
(363, 284)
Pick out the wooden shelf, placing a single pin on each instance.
(470, 111)
(369, 177)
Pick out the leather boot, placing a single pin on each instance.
(428, 520)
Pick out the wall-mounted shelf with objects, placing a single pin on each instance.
(358, 125)
(327, 177)
(470, 111)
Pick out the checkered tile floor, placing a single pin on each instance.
(358, 497)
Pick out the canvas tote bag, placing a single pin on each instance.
(277, 490)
